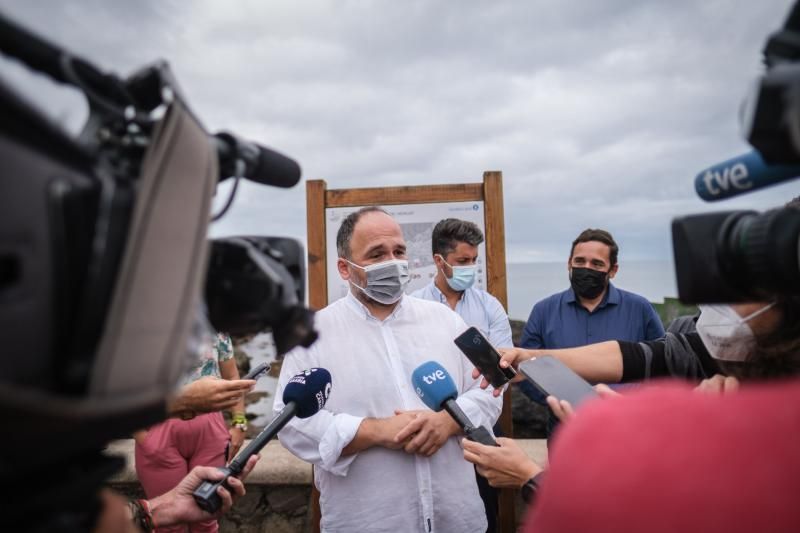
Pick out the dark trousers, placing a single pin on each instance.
(489, 496)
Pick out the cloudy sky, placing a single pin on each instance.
(599, 113)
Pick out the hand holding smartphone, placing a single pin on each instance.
(554, 378)
(484, 357)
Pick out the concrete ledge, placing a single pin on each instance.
(276, 467)
(278, 490)
(279, 467)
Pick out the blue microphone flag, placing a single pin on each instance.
(433, 385)
(747, 172)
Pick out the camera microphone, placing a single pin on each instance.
(744, 173)
(305, 394)
(437, 390)
(261, 164)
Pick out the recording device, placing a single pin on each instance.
(436, 389)
(554, 378)
(103, 258)
(484, 357)
(305, 394)
(258, 371)
(741, 256)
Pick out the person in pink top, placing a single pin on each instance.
(197, 435)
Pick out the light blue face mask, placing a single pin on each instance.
(463, 276)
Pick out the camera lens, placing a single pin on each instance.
(759, 252)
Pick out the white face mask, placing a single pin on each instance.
(725, 334)
(386, 281)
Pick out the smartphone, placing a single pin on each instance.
(257, 371)
(552, 377)
(484, 357)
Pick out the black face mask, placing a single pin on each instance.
(588, 283)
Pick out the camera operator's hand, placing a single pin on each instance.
(718, 384)
(174, 507)
(505, 466)
(209, 394)
(178, 506)
(508, 357)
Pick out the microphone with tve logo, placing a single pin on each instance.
(304, 395)
(437, 390)
(747, 172)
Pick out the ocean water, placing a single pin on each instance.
(530, 282)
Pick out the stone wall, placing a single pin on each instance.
(278, 489)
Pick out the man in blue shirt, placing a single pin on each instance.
(592, 310)
(454, 244)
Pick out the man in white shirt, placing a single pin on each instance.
(384, 462)
(454, 244)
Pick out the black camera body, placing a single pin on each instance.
(104, 265)
(744, 256)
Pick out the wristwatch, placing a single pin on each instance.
(187, 414)
(531, 487)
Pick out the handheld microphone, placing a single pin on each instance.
(744, 173)
(304, 395)
(261, 164)
(437, 390)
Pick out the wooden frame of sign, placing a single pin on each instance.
(490, 192)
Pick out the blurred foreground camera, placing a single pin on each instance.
(737, 256)
(256, 284)
(103, 249)
(741, 256)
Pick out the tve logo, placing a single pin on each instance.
(734, 176)
(433, 377)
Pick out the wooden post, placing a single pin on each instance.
(496, 284)
(315, 222)
(317, 288)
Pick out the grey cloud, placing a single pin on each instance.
(598, 113)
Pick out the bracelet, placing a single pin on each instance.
(239, 421)
(141, 515)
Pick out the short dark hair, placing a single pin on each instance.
(345, 233)
(450, 231)
(599, 235)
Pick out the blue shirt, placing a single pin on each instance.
(478, 308)
(560, 321)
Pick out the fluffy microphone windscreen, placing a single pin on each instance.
(309, 390)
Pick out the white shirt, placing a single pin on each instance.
(371, 363)
(478, 308)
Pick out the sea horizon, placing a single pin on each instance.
(531, 281)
